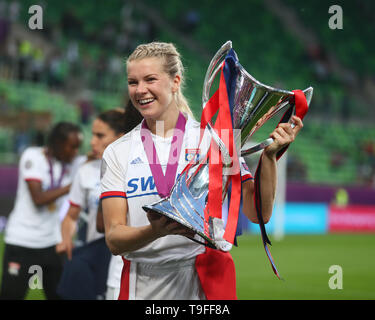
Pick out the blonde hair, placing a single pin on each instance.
(172, 66)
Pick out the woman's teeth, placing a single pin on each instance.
(145, 101)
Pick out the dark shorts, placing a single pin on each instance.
(21, 266)
(85, 276)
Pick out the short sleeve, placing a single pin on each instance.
(31, 166)
(77, 192)
(112, 176)
(245, 172)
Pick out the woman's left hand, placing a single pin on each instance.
(283, 135)
(163, 226)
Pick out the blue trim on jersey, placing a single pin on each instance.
(141, 195)
(114, 196)
(251, 178)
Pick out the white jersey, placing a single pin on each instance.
(126, 173)
(34, 226)
(85, 194)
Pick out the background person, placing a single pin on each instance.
(33, 228)
(85, 271)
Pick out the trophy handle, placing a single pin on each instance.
(264, 144)
(260, 146)
(211, 71)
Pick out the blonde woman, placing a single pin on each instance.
(159, 261)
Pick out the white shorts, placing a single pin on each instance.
(112, 293)
(171, 281)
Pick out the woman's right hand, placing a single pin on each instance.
(68, 226)
(65, 247)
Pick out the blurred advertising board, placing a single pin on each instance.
(320, 218)
(351, 218)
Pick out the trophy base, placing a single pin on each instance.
(214, 240)
(204, 239)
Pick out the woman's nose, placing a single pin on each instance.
(92, 142)
(141, 88)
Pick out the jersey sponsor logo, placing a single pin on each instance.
(28, 164)
(137, 160)
(141, 186)
(191, 154)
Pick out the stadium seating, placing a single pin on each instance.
(36, 97)
(330, 145)
(352, 47)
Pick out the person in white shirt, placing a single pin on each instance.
(85, 271)
(33, 229)
(160, 262)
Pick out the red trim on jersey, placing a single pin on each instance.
(246, 177)
(110, 194)
(74, 204)
(217, 274)
(33, 179)
(124, 285)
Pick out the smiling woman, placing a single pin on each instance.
(157, 251)
(160, 259)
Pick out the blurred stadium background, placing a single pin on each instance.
(74, 68)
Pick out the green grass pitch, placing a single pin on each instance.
(303, 261)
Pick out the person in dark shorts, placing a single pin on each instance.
(33, 229)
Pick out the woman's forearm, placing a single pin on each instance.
(268, 190)
(41, 198)
(68, 227)
(268, 180)
(121, 238)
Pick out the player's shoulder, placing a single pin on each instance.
(192, 127)
(33, 152)
(192, 123)
(123, 144)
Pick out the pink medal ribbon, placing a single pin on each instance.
(63, 171)
(164, 183)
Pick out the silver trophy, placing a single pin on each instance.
(253, 104)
